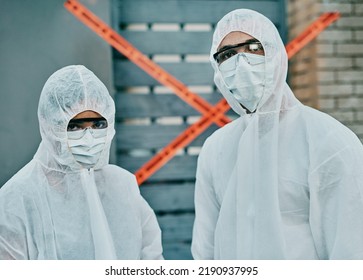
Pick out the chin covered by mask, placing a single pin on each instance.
(87, 145)
(244, 76)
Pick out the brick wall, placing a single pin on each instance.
(328, 73)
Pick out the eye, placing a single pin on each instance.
(73, 127)
(225, 55)
(99, 124)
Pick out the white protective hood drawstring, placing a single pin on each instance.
(104, 247)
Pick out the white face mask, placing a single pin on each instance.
(87, 145)
(244, 76)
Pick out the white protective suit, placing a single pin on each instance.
(285, 182)
(53, 208)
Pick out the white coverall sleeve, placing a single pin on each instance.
(151, 235)
(13, 244)
(206, 208)
(336, 205)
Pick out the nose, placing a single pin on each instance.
(87, 124)
(88, 136)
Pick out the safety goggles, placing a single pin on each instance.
(82, 124)
(250, 46)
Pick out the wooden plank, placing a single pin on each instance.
(169, 198)
(176, 227)
(128, 74)
(151, 42)
(157, 105)
(178, 168)
(177, 251)
(196, 11)
(170, 191)
(154, 136)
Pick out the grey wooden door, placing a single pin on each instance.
(177, 35)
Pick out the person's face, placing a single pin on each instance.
(234, 43)
(87, 119)
(237, 42)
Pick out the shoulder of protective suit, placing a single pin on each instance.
(113, 169)
(122, 175)
(326, 133)
(220, 133)
(19, 183)
(14, 192)
(324, 123)
(121, 180)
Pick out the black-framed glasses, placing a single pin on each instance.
(250, 46)
(83, 123)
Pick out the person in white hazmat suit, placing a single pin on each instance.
(68, 202)
(282, 181)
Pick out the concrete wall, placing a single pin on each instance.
(328, 73)
(37, 38)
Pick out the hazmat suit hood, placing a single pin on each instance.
(68, 92)
(277, 94)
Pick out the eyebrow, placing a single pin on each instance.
(253, 40)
